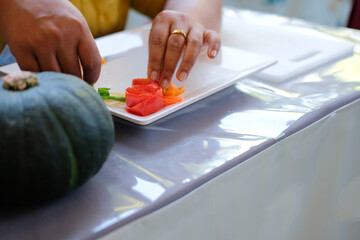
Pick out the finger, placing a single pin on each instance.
(90, 59)
(48, 62)
(69, 62)
(212, 39)
(27, 61)
(193, 48)
(157, 44)
(174, 48)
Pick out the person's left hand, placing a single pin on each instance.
(166, 48)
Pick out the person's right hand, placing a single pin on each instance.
(50, 35)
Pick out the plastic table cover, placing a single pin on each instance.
(155, 165)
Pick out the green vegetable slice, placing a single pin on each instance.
(105, 94)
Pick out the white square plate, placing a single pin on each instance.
(206, 78)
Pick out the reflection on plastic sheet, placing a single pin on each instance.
(226, 150)
(105, 225)
(123, 206)
(133, 205)
(347, 70)
(309, 92)
(145, 171)
(150, 190)
(265, 92)
(265, 123)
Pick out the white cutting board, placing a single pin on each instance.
(296, 49)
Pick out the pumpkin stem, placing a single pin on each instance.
(19, 81)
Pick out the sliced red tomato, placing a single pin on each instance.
(141, 81)
(147, 106)
(146, 96)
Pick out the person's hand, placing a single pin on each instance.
(166, 49)
(50, 35)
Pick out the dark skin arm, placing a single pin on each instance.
(50, 35)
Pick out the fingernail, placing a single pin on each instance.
(153, 75)
(213, 53)
(183, 76)
(165, 83)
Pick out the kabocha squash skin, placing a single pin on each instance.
(53, 138)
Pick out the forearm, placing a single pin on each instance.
(206, 12)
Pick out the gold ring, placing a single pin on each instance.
(177, 31)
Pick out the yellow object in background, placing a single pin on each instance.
(109, 16)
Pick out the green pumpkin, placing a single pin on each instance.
(53, 137)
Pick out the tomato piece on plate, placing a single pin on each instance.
(144, 97)
(141, 81)
(148, 106)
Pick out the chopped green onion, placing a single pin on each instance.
(116, 98)
(104, 93)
